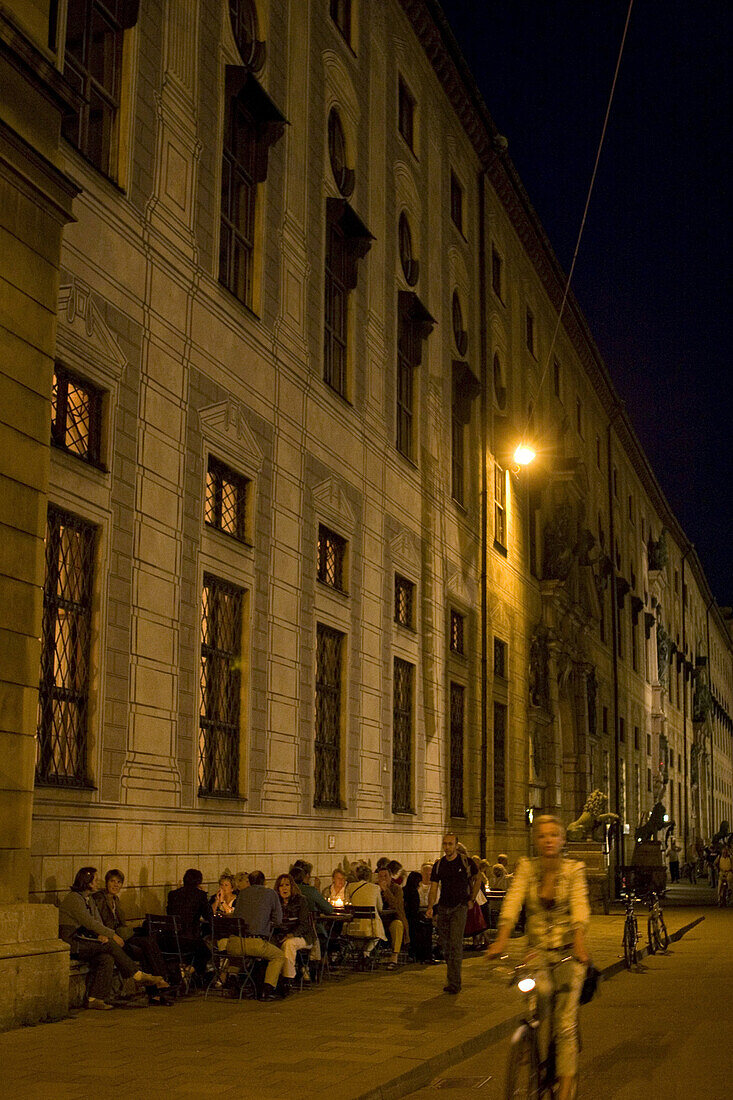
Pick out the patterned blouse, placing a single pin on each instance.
(552, 927)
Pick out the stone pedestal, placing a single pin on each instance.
(595, 858)
(34, 966)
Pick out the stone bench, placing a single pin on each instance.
(78, 972)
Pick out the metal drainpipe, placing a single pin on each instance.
(620, 860)
(712, 747)
(485, 409)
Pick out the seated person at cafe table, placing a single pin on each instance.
(260, 909)
(190, 904)
(140, 947)
(335, 894)
(396, 922)
(421, 929)
(91, 941)
(296, 929)
(364, 892)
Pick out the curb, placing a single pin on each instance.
(421, 1075)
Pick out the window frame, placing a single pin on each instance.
(79, 616)
(332, 746)
(406, 114)
(62, 376)
(457, 210)
(328, 538)
(497, 273)
(501, 539)
(457, 749)
(221, 727)
(243, 488)
(403, 717)
(403, 584)
(456, 632)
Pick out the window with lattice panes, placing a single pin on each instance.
(402, 735)
(497, 274)
(456, 639)
(457, 734)
(226, 499)
(404, 602)
(500, 732)
(63, 698)
(221, 687)
(76, 415)
(327, 763)
(331, 558)
(500, 659)
(336, 308)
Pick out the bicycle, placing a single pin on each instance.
(631, 932)
(528, 1076)
(724, 890)
(656, 928)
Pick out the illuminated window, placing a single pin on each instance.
(225, 506)
(500, 539)
(63, 698)
(404, 602)
(331, 558)
(76, 415)
(406, 114)
(456, 639)
(221, 687)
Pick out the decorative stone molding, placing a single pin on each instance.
(331, 503)
(83, 337)
(405, 553)
(224, 426)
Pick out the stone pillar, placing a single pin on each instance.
(35, 204)
(151, 774)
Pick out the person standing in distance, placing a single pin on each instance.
(458, 878)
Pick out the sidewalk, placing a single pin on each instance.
(366, 1037)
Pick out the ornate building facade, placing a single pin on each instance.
(297, 598)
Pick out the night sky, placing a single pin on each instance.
(652, 275)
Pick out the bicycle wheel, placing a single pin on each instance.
(629, 945)
(522, 1070)
(661, 934)
(652, 934)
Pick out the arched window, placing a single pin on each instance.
(343, 175)
(459, 333)
(243, 16)
(499, 385)
(410, 265)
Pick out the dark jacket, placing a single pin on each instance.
(260, 909)
(109, 909)
(191, 906)
(297, 919)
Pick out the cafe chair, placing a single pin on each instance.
(230, 971)
(166, 930)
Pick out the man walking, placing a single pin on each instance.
(459, 881)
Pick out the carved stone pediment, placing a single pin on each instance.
(224, 426)
(83, 337)
(404, 550)
(331, 502)
(461, 588)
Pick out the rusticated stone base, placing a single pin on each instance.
(34, 966)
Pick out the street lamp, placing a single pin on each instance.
(524, 454)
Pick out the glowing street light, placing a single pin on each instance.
(524, 454)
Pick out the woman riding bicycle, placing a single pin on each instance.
(554, 891)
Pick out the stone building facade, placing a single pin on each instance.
(298, 599)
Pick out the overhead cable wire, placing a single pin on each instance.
(585, 212)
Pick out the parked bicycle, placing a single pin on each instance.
(656, 928)
(724, 890)
(631, 930)
(528, 1075)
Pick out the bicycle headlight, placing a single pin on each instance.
(526, 985)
